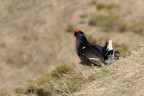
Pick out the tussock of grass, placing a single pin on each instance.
(103, 21)
(69, 28)
(72, 86)
(83, 16)
(32, 89)
(64, 79)
(91, 77)
(101, 40)
(111, 20)
(91, 39)
(100, 6)
(121, 26)
(59, 71)
(4, 94)
(123, 49)
(138, 26)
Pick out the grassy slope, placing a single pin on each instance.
(126, 78)
(33, 36)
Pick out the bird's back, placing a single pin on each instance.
(91, 55)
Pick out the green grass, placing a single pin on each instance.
(30, 89)
(72, 86)
(91, 39)
(83, 16)
(123, 49)
(61, 80)
(100, 40)
(69, 28)
(61, 70)
(65, 79)
(138, 26)
(121, 26)
(91, 77)
(4, 94)
(104, 21)
(109, 20)
(100, 6)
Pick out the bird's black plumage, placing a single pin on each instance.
(88, 53)
(93, 53)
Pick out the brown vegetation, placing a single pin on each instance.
(36, 36)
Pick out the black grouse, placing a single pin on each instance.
(93, 53)
(88, 53)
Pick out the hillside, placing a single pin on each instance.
(122, 78)
(36, 36)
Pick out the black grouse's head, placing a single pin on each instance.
(77, 32)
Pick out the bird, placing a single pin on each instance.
(93, 54)
(88, 53)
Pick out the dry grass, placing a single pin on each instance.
(65, 79)
(123, 78)
(100, 6)
(33, 39)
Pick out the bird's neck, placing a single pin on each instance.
(82, 40)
